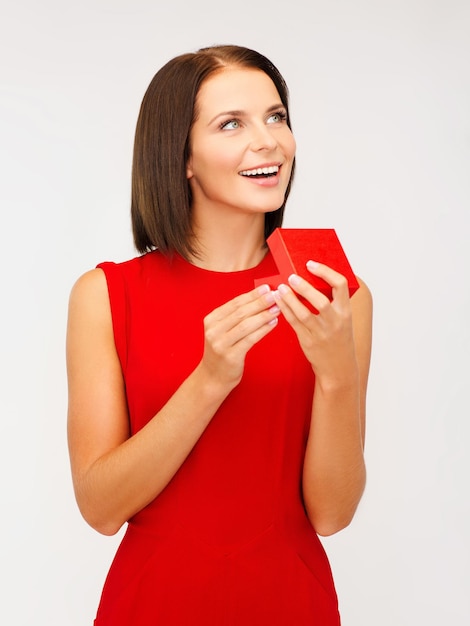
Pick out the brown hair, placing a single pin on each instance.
(161, 196)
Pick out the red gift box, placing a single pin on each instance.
(293, 247)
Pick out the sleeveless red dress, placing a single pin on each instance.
(227, 542)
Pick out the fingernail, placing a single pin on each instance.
(270, 299)
(263, 289)
(294, 279)
(312, 264)
(283, 289)
(274, 309)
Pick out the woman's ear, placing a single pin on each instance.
(189, 171)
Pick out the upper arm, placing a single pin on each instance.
(361, 307)
(97, 413)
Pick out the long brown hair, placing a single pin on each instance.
(161, 196)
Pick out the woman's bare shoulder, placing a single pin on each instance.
(362, 298)
(90, 292)
(91, 282)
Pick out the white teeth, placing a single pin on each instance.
(273, 169)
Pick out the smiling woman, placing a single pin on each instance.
(224, 424)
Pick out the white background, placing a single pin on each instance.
(380, 97)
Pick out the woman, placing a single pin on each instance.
(192, 412)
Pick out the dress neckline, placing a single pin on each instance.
(265, 261)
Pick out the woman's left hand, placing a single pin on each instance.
(326, 337)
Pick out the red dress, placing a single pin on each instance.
(227, 542)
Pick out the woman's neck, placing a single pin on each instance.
(230, 245)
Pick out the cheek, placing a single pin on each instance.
(217, 160)
(291, 146)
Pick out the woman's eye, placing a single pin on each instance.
(277, 117)
(231, 125)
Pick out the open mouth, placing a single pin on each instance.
(261, 172)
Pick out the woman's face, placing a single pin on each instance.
(241, 147)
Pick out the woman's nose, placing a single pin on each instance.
(262, 138)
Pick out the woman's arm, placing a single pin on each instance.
(116, 475)
(337, 342)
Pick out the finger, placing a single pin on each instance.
(338, 282)
(297, 314)
(234, 345)
(240, 317)
(246, 305)
(302, 287)
(251, 325)
(249, 340)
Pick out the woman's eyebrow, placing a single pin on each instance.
(228, 113)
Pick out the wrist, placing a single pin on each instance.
(337, 382)
(211, 386)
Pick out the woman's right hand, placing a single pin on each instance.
(232, 329)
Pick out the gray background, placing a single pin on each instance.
(380, 104)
